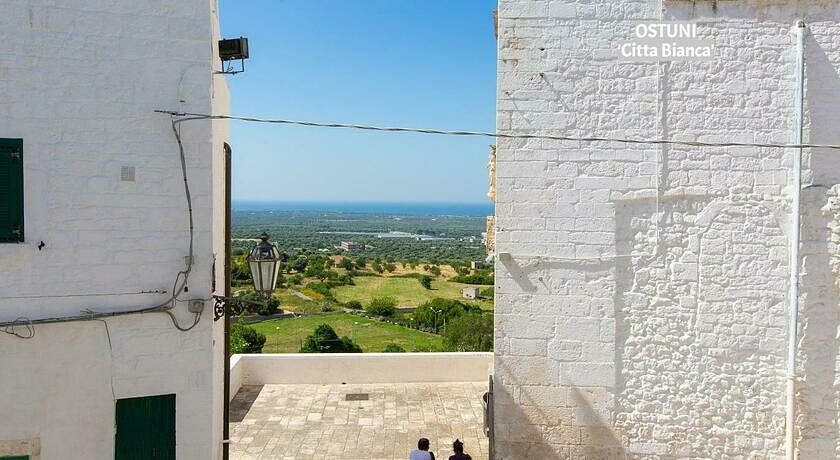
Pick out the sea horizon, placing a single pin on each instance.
(475, 209)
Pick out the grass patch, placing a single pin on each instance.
(293, 303)
(407, 291)
(286, 335)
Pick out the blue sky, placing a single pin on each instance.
(417, 63)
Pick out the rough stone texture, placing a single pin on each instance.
(79, 80)
(302, 422)
(642, 311)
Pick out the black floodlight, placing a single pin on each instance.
(233, 49)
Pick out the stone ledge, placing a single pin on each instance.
(30, 447)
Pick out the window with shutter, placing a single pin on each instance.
(11, 190)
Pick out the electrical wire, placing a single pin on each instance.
(104, 294)
(111, 356)
(164, 307)
(187, 116)
(20, 322)
(196, 319)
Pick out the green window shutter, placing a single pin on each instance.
(11, 190)
(145, 428)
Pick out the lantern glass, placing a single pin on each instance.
(264, 261)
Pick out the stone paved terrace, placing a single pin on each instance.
(295, 407)
(315, 421)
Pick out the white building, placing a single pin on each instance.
(642, 298)
(351, 245)
(105, 228)
(471, 292)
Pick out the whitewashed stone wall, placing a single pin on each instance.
(79, 80)
(677, 351)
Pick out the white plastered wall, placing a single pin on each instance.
(79, 81)
(678, 351)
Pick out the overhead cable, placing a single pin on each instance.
(188, 116)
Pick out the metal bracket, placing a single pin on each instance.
(230, 306)
(229, 70)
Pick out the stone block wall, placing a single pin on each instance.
(641, 298)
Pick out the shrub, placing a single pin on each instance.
(394, 348)
(354, 305)
(325, 340)
(462, 270)
(245, 339)
(382, 306)
(470, 332)
(479, 277)
(298, 264)
(240, 273)
(264, 308)
(426, 315)
(321, 288)
(426, 281)
(487, 292)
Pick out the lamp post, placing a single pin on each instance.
(264, 261)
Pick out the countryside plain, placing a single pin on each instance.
(395, 278)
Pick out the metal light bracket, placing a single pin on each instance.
(227, 68)
(230, 306)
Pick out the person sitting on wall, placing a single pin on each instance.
(458, 447)
(422, 451)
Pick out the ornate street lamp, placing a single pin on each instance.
(264, 261)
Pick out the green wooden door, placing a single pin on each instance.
(145, 428)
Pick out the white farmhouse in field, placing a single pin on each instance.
(94, 220)
(471, 292)
(645, 292)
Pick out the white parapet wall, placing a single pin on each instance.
(305, 368)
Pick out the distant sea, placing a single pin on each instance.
(413, 209)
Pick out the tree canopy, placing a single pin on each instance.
(324, 340)
(470, 332)
(382, 306)
(431, 315)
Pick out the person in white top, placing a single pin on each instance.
(422, 451)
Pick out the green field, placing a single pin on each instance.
(407, 291)
(286, 335)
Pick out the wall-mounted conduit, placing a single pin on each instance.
(793, 295)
